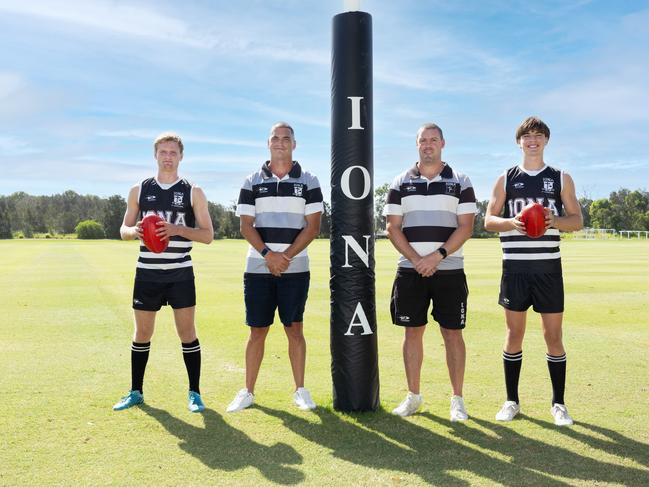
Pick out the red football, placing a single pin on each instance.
(152, 241)
(534, 218)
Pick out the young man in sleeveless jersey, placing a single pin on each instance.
(532, 274)
(279, 207)
(168, 277)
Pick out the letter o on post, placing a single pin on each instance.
(344, 182)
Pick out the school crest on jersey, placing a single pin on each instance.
(178, 199)
(548, 185)
(450, 188)
(297, 189)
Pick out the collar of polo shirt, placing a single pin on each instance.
(447, 172)
(295, 172)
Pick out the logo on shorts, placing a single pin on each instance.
(519, 185)
(548, 185)
(137, 301)
(297, 190)
(462, 314)
(178, 199)
(404, 318)
(150, 197)
(506, 300)
(451, 188)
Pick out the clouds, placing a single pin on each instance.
(85, 86)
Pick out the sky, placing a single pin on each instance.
(86, 85)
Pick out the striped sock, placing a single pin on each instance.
(192, 358)
(557, 368)
(512, 363)
(139, 358)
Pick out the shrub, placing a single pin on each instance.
(89, 229)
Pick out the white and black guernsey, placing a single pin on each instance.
(523, 254)
(173, 202)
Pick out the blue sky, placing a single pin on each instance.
(85, 85)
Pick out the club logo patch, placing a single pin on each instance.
(548, 185)
(150, 197)
(451, 188)
(178, 199)
(519, 185)
(297, 189)
(410, 189)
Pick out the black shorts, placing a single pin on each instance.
(151, 296)
(264, 293)
(544, 292)
(412, 294)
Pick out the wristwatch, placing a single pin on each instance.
(264, 251)
(442, 251)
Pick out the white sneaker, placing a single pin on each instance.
(409, 405)
(242, 400)
(302, 399)
(508, 412)
(561, 416)
(458, 411)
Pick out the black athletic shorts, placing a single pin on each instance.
(151, 296)
(412, 294)
(544, 292)
(264, 293)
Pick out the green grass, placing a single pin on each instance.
(66, 327)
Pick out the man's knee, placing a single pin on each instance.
(258, 334)
(452, 336)
(295, 332)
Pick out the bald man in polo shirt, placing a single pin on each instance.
(430, 211)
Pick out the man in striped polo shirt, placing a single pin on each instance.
(430, 210)
(167, 277)
(279, 208)
(532, 273)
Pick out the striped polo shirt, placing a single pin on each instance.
(173, 203)
(523, 254)
(430, 208)
(279, 207)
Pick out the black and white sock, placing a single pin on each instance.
(139, 358)
(557, 368)
(512, 363)
(192, 358)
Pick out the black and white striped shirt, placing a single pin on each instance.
(172, 202)
(523, 254)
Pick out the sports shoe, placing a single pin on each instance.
(561, 416)
(133, 398)
(302, 399)
(509, 411)
(458, 411)
(195, 404)
(242, 400)
(409, 405)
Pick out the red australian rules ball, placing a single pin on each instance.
(152, 241)
(534, 218)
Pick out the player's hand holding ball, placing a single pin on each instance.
(154, 242)
(534, 218)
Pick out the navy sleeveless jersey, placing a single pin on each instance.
(523, 254)
(173, 202)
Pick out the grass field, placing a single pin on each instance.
(66, 327)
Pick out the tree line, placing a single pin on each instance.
(24, 215)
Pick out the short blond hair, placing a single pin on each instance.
(168, 137)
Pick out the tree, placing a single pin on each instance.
(5, 219)
(89, 229)
(113, 215)
(380, 195)
(325, 221)
(585, 204)
(478, 224)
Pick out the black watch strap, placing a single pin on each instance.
(264, 251)
(442, 251)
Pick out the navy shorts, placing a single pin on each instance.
(412, 294)
(264, 293)
(151, 295)
(544, 292)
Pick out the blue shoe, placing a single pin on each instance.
(195, 402)
(133, 398)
